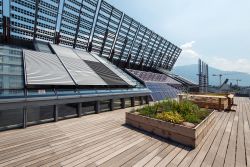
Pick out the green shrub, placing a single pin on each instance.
(192, 118)
(170, 116)
(173, 111)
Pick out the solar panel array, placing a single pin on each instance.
(31, 19)
(67, 68)
(161, 91)
(50, 71)
(95, 23)
(154, 77)
(77, 22)
(106, 28)
(125, 38)
(161, 86)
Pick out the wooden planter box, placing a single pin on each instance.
(217, 102)
(178, 133)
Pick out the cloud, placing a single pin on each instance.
(239, 64)
(188, 54)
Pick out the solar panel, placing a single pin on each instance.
(115, 69)
(33, 19)
(77, 21)
(45, 69)
(125, 38)
(78, 69)
(106, 74)
(85, 56)
(106, 28)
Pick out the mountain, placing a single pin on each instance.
(190, 72)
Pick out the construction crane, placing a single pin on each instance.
(237, 81)
(220, 76)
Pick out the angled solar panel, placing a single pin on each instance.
(114, 70)
(104, 71)
(85, 56)
(78, 69)
(45, 69)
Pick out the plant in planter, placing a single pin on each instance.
(183, 122)
(174, 112)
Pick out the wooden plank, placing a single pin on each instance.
(103, 140)
(208, 160)
(160, 156)
(221, 153)
(246, 124)
(192, 154)
(138, 157)
(68, 154)
(117, 161)
(240, 148)
(150, 156)
(170, 156)
(177, 160)
(45, 159)
(231, 149)
(202, 153)
(91, 159)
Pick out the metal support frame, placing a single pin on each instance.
(55, 113)
(171, 57)
(25, 117)
(115, 25)
(6, 29)
(141, 100)
(147, 99)
(165, 54)
(111, 58)
(152, 51)
(161, 55)
(78, 26)
(122, 50)
(35, 22)
(137, 55)
(128, 61)
(107, 14)
(155, 53)
(111, 105)
(132, 101)
(97, 107)
(103, 42)
(79, 109)
(140, 45)
(145, 48)
(123, 103)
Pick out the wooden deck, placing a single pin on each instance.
(103, 140)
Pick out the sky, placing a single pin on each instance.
(217, 31)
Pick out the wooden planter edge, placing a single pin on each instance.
(179, 133)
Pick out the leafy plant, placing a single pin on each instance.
(175, 112)
(170, 116)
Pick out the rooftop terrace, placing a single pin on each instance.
(104, 140)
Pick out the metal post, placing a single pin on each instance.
(25, 117)
(79, 109)
(132, 101)
(111, 104)
(147, 99)
(123, 103)
(55, 113)
(141, 100)
(97, 107)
